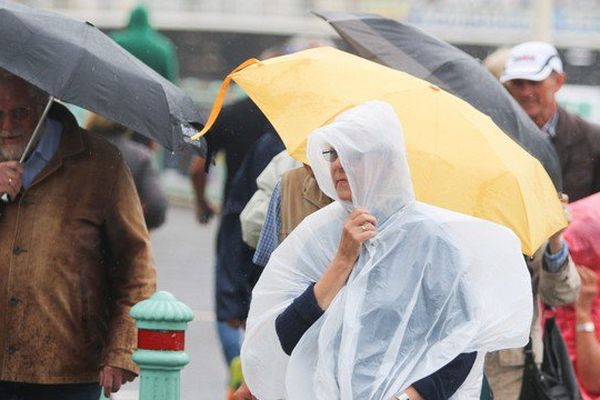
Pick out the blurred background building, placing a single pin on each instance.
(214, 36)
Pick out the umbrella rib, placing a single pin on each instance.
(81, 56)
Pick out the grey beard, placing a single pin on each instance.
(10, 155)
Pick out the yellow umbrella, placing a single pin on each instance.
(459, 159)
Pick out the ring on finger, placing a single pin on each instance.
(10, 181)
(364, 227)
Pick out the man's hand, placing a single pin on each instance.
(111, 379)
(243, 393)
(204, 211)
(236, 323)
(10, 178)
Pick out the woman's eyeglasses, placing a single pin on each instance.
(330, 155)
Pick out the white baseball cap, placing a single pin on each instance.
(532, 61)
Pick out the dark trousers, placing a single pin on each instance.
(31, 391)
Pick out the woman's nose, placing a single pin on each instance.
(336, 164)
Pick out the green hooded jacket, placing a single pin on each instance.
(144, 42)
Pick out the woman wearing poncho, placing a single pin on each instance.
(428, 284)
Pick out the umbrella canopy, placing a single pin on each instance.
(460, 160)
(411, 50)
(77, 63)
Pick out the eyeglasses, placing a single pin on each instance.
(330, 155)
(18, 114)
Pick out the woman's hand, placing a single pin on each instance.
(359, 227)
(588, 291)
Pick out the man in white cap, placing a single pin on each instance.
(533, 74)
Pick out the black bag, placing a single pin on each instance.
(555, 380)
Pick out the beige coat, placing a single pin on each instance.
(74, 257)
(504, 369)
(300, 197)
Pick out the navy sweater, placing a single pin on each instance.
(305, 311)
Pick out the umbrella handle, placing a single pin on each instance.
(37, 132)
(218, 104)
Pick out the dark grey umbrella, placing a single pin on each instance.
(411, 50)
(77, 63)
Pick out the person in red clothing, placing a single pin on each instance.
(580, 322)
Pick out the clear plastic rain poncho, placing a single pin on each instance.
(430, 285)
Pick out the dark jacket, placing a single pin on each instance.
(139, 159)
(74, 257)
(236, 273)
(577, 143)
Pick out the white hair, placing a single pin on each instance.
(37, 95)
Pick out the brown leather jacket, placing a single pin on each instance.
(577, 143)
(74, 257)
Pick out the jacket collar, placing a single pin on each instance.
(71, 142)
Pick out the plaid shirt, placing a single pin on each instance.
(269, 234)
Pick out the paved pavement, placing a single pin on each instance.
(184, 253)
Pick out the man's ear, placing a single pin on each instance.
(559, 78)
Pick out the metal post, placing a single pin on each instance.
(161, 321)
(543, 19)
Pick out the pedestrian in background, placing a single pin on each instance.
(496, 61)
(152, 48)
(533, 74)
(140, 161)
(236, 130)
(75, 255)
(254, 214)
(580, 322)
(148, 45)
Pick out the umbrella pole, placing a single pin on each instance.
(34, 139)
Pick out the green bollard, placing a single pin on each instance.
(161, 321)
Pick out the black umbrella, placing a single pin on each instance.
(411, 50)
(75, 62)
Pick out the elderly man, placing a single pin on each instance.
(533, 74)
(74, 255)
